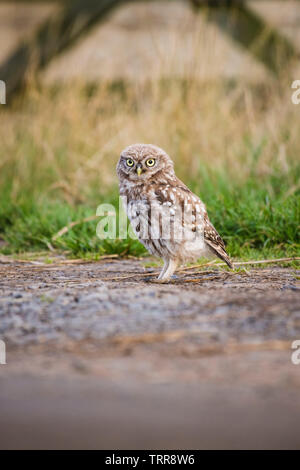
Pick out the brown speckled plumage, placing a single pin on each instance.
(167, 217)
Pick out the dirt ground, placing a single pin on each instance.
(99, 356)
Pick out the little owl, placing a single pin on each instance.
(168, 219)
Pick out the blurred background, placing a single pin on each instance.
(208, 81)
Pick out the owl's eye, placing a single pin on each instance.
(150, 162)
(129, 162)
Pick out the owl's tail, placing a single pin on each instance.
(220, 252)
(226, 258)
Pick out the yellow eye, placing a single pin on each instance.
(150, 162)
(129, 162)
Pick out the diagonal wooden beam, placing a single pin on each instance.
(251, 31)
(77, 17)
(55, 35)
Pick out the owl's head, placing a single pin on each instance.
(141, 162)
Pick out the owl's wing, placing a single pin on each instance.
(211, 236)
(175, 196)
(180, 196)
(185, 206)
(215, 242)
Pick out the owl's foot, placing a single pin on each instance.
(160, 281)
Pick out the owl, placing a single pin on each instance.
(168, 219)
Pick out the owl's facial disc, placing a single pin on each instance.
(144, 162)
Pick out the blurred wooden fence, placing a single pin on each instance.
(75, 19)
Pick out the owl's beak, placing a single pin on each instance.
(139, 170)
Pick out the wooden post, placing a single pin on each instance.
(77, 17)
(55, 35)
(251, 31)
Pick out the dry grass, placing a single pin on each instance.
(68, 141)
(237, 145)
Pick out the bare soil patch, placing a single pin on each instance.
(182, 362)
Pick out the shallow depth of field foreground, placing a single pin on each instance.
(93, 353)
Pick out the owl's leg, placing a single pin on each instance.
(167, 271)
(166, 264)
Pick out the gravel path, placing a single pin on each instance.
(78, 302)
(181, 362)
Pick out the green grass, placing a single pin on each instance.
(256, 219)
(238, 149)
